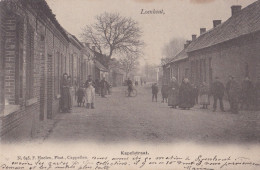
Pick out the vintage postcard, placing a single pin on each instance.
(129, 84)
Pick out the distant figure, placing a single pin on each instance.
(108, 88)
(90, 96)
(204, 95)
(136, 83)
(217, 91)
(173, 93)
(164, 92)
(234, 95)
(103, 87)
(130, 86)
(247, 93)
(154, 91)
(141, 82)
(80, 96)
(185, 98)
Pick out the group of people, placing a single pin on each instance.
(85, 93)
(186, 95)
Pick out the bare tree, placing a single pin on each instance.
(129, 63)
(113, 33)
(172, 49)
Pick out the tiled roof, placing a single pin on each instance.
(245, 22)
(43, 7)
(181, 56)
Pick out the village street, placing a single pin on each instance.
(118, 119)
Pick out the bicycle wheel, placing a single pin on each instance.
(134, 93)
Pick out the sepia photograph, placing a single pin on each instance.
(129, 84)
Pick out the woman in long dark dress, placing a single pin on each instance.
(185, 98)
(65, 94)
(173, 93)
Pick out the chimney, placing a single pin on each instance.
(194, 36)
(93, 48)
(235, 9)
(216, 23)
(202, 30)
(186, 45)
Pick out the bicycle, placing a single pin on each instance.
(133, 93)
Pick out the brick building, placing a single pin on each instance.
(35, 52)
(231, 47)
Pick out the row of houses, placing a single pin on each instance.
(35, 52)
(229, 48)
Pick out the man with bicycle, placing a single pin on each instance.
(130, 86)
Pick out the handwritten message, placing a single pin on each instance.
(131, 160)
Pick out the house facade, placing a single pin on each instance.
(35, 52)
(229, 48)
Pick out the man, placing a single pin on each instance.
(154, 91)
(234, 92)
(130, 86)
(217, 91)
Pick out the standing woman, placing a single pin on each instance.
(185, 96)
(173, 93)
(204, 95)
(65, 100)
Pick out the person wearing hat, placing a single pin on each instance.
(217, 90)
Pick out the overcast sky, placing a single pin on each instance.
(182, 18)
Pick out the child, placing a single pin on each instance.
(80, 94)
(154, 91)
(204, 95)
